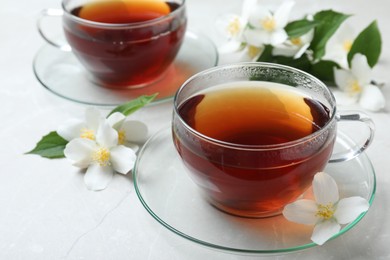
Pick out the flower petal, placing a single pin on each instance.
(324, 231)
(257, 37)
(343, 78)
(230, 47)
(116, 119)
(345, 33)
(301, 211)
(122, 159)
(285, 50)
(337, 47)
(238, 56)
(133, 147)
(372, 98)
(325, 189)
(106, 136)
(348, 209)
(79, 151)
(301, 51)
(343, 98)
(282, 14)
(93, 117)
(361, 69)
(258, 14)
(98, 177)
(71, 129)
(307, 37)
(247, 7)
(337, 55)
(278, 37)
(135, 131)
(223, 23)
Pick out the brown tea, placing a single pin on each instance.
(120, 55)
(124, 11)
(254, 115)
(241, 172)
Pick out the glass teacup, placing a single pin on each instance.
(122, 44)
(253, 135)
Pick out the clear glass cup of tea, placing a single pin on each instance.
(121, 43)
(253, 135)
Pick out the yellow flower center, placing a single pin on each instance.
(234, 27)
(347, 45)
(325, 211)
(87, 134)
(102, 156)
(121, 137)
(268, 24)
(253, 51)
(296, 41)
(354, 88)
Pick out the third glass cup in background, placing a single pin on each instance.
(253, 135)
(122, 43)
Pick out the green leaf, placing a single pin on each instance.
(368, 43)
(298, 28)
(302, 63)
(50, 146)
(324, 70)
(266, 54)
(330, 21)
(133, 105)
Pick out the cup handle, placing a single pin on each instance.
(354, 116)
(51, 13)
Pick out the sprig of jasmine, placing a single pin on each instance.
(318, 43)
(101, 145)
(52, 145)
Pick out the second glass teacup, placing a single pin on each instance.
(122, 43)
(253, 135)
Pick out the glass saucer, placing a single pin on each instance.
(62, 74)
(168, 194)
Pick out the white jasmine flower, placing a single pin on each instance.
(294, 47)
(232, 27)
(356, 83)
(246, 53)
(266, 27)
(101, 156)
(339, 45)
(130, 132)
(327, 212)
(77, 128)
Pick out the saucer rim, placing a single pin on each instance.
(190, 33)
(262, 252)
